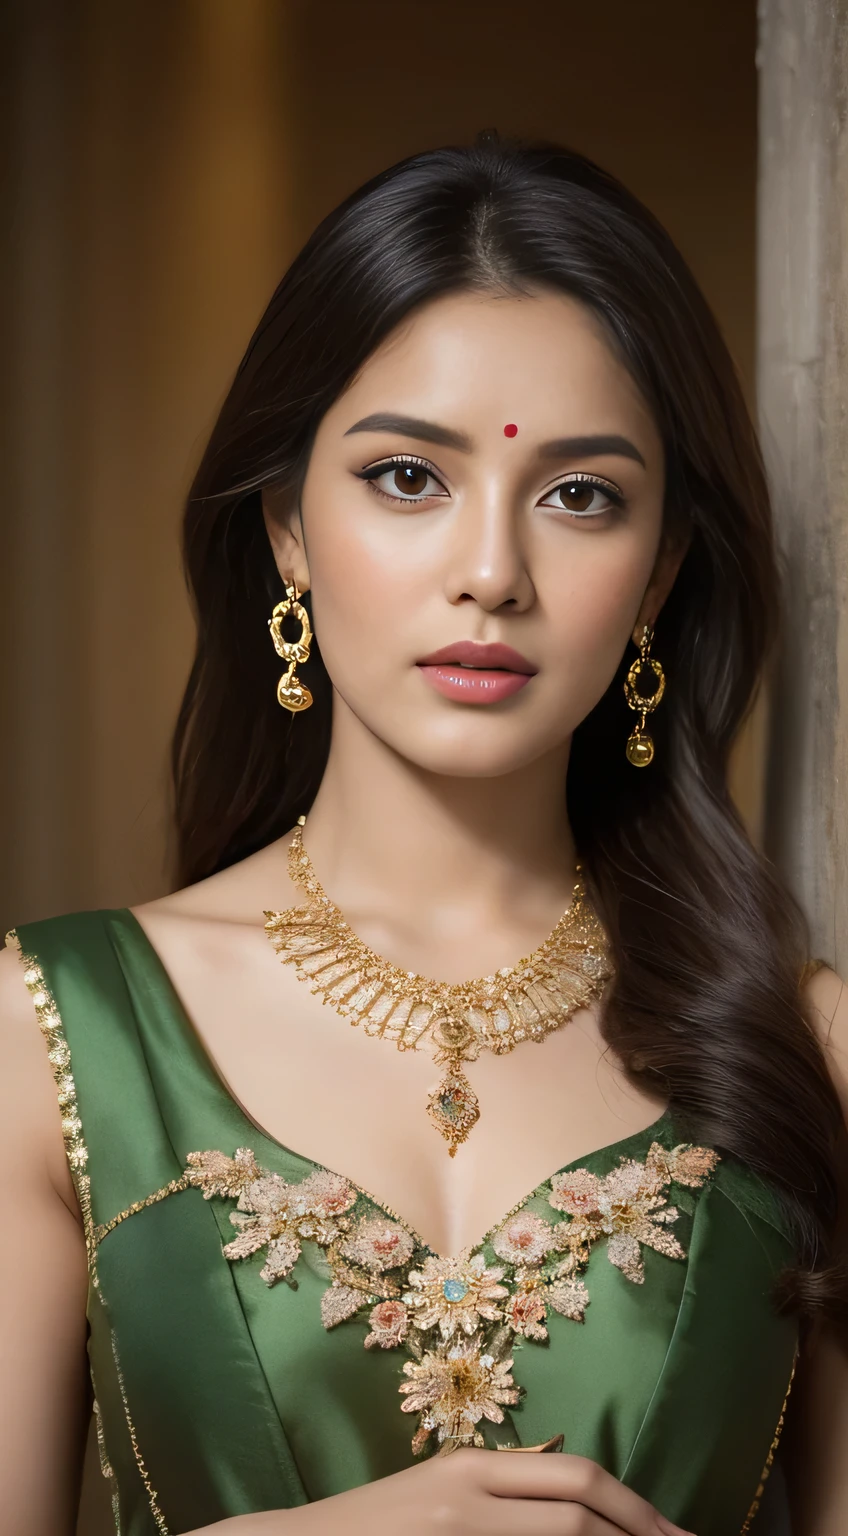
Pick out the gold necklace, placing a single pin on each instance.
(525, 1001)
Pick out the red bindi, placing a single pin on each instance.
(511, 430)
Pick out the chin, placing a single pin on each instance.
(466, 756)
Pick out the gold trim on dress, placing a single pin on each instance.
(175, 1187)
(152, 1495)
(771, 1455)
(106, 1467)
(59, 1055)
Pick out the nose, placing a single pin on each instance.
(487, 561)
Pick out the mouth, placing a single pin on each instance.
(474, 654)
(473, 673)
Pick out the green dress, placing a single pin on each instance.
(263, 1332)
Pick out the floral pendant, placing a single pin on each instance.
(454, 1107)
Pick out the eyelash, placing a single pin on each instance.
(374, 471)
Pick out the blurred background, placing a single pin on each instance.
(168, 158)
(165, 159)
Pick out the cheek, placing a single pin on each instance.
(368, 582)
(592, 607)
(604, 602)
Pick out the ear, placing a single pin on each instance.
(672, 551)
(285, 533)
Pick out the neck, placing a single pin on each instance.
(382, 829)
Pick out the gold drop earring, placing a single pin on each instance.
(640, 744)
(291, 692)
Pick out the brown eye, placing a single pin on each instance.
(409, 479)
(584, 497)
(577, 497)
(403, 480)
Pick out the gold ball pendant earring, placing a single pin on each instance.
(291, 692)
(640, 744)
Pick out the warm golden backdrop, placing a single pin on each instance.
(168, 160)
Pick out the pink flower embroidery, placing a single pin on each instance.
(526, 1315)
(389, 1321)
(524, 1239)
(378, 1244)
(628, 1205)
(271, 1213)
(454, 1315)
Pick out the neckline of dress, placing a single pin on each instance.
(215, 1075)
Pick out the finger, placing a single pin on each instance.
(575, 1479)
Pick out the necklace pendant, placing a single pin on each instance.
(454, 1107)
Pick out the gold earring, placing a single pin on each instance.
(640, 745)
(291, 692)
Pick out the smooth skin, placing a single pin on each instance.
(440, 830)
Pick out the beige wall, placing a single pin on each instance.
(169, 160)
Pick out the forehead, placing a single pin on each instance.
(515, 359)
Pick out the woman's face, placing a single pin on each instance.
(491, 478)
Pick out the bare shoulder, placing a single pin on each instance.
(30, 1122)
(826, 998)
(239, 894)
(17, 1016)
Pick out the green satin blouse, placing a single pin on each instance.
(218, 1393)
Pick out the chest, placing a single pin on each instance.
(674, 1383)
(353, 1102)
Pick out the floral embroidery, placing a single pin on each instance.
(628, 1206)
(453, 1294)
(453, 1388)
(272, 1214)
(379, 1244)
(338, 1303)
(526, 1313)
(389, 1322)
(216, 1174)
(457, 1318)
(524, 1239)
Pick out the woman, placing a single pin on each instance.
(488, 444)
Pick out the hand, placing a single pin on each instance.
(485, 1493)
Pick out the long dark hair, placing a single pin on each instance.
(708, 946)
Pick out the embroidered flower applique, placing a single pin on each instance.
(389, 1321)
(456, 1318)
(453, 1295)
(628, 1207)
(453, 1388)
(271, 1213)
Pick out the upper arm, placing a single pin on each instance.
(817, 1469)
(43, 1283)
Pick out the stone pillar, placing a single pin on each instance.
(803, 404)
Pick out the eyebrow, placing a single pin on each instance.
(412, 426)
(559, 448)
(585, 447)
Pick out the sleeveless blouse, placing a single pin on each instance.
(263, 1332)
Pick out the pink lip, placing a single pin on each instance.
(472, 653)
(489, 673)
